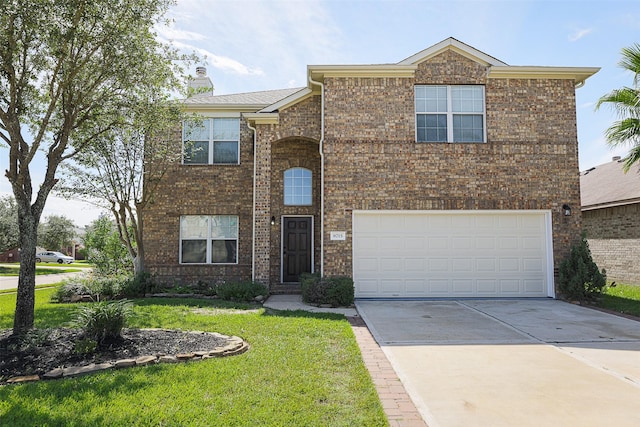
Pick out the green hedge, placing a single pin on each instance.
(335, 291)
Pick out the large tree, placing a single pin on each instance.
(126, 165)
(68, 69)
(9, 233)
(626, 103)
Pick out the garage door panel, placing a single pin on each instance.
(462, 286)
(486, 265)
(438, 243)
(390, 264)
(415, 265)
(532, 265)
(487, 286)
(431, 253)
(510, 286)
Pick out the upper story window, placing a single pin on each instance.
(297, 187)
(450, 113)
(209, 239)
(211, 141)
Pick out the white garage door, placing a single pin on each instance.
(414, 254)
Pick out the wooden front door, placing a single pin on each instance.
(296, 247)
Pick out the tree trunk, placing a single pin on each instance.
(25, 302)
(139, 262)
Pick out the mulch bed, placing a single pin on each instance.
(43, 350)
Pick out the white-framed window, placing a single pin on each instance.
(211, 141)
(298, 187)
(450, 113)
(209, 239)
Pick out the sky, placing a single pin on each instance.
(267, 44)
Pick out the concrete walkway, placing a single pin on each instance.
(511, 362)
(397, 405)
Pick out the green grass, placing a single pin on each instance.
(622, 299)
(303, 369)
(13, 271)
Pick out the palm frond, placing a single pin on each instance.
(632, 158)
(624, 132)
(631, 61)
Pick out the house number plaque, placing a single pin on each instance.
(338, 235)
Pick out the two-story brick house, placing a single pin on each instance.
(442, 175)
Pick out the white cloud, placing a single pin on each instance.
(221, 62)
(579, 33)
(172, 33)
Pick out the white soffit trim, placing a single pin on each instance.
(319, 72)
(289, 100)
(262, 118)
(456, 46)
(577, 74)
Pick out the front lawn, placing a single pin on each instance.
(303, 369)
(622, 299)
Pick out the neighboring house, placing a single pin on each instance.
(610, 212)
(442, 175)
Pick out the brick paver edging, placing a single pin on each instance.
(397, 405)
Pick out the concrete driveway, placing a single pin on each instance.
(511, 362)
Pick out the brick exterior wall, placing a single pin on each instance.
(530, 159)
(372, 161)
(614, 239)
(200, 190)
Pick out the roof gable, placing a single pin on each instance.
(456, 46)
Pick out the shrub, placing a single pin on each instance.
(102, 321)
(336, 291)
(75, 286)
(103, 287)
(578, 276)
(241, 291)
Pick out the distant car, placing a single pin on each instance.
(51, 256)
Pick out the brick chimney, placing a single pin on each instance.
(201, 83)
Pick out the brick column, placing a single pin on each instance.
(263, 205)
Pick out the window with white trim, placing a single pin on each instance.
(450, 113)
(298, 187)
(208, 239)
(211, 141)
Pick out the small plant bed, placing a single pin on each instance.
(66, 352)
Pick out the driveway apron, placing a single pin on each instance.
(511, 362)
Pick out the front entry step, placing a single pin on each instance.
(285, 288)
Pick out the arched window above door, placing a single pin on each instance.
(297, 187)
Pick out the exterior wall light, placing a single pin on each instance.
(566, 209)
(273, 220)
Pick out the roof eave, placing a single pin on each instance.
(577, 74)
(610, 204)
(262, 118)
(319, 72)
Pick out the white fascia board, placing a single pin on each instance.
(577, 74)
(458, 47)
(319, 72)
(288, 101)
(262, 118)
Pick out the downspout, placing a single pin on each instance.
(253, 235)
(320, 148)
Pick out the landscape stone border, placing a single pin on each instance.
(234, 346)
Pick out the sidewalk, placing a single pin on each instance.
(397, 405)
(11, 282)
